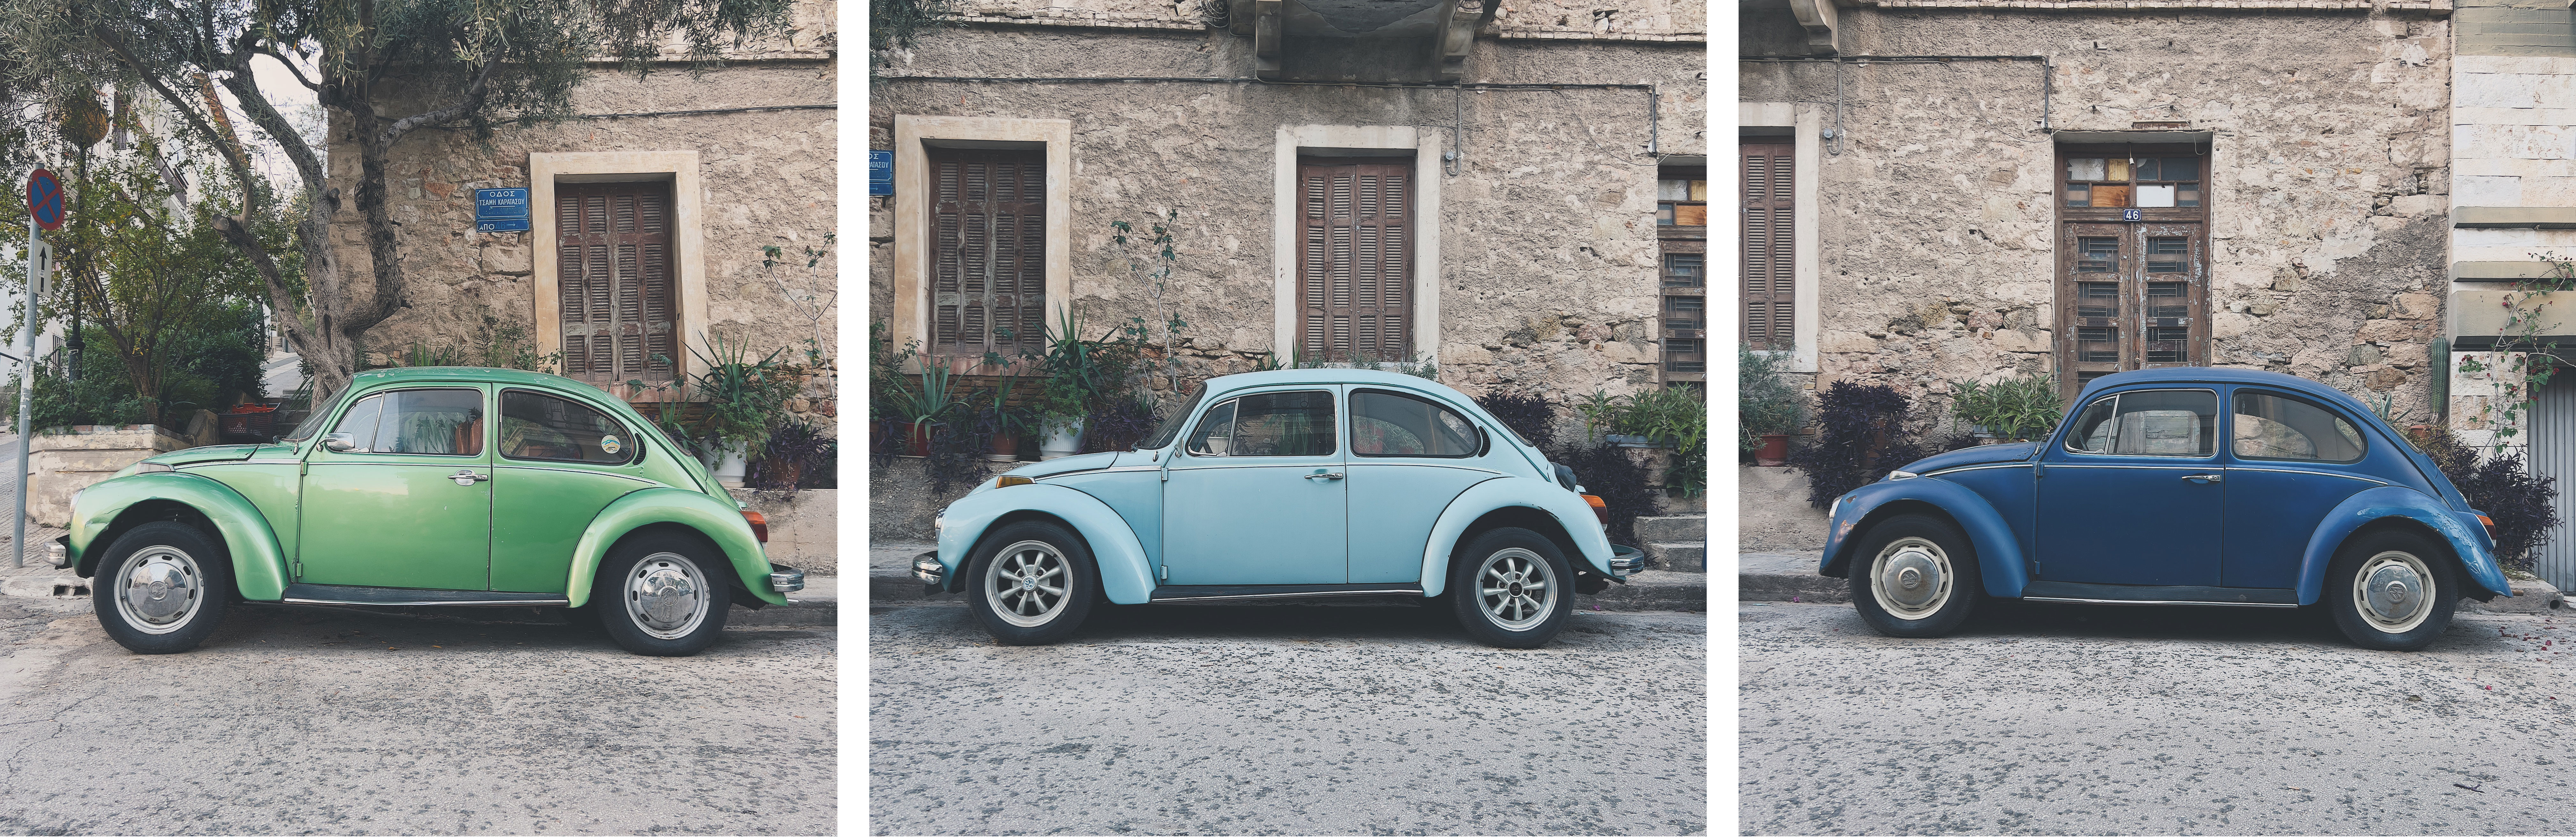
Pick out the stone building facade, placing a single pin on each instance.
(1961, 176)
(730, 161)
(1536, 143)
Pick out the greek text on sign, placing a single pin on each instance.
(500, 210)
(880, 172)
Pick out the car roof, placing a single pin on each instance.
(2220, 375)
(475, 374)
(1327, 376)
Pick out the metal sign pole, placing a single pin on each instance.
(37, 266)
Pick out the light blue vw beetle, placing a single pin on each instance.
(1286, 485)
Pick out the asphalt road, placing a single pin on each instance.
(1297, 719)
(2057, 719)
(312, 720)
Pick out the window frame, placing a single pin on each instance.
(1352, 417)
(483, 414)
(2361, 438)
(1332, 397)
(2132, 320)
(501, 398)
(2067, 442)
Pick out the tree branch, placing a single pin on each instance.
(474, 94)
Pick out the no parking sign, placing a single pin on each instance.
(45, 200)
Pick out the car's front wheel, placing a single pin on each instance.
(1511, 588)
(2391, 590)
(1032, 584)
(1914, 576)
(162, 588)
(662, 595)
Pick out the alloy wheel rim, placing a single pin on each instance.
(1026, 583)
(666, 596)
(2393, 592)
(160, 588)
(1516, 588)
(1911, 579)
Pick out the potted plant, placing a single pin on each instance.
(2011, 410)
(1766, 407)
(744, 398)
(921, 410)
(793, 448)
(997, 420)
(1057, 415)
(1082, 376)
(1600, 412)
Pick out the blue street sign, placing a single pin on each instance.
(45, 200)
(880, 172)
(500, 210)
(2132, 215)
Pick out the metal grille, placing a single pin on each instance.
(2553, 454)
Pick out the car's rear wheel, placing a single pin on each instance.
(662, 595)
(1915, 576)
(1031, 584)
(162, 588)
(2391, 590)
(1511, 588)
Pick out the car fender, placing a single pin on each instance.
(1999, 554)
(1125, 574)
(1571, 512)
(259, 566)
(720, 521)
(2394, 501)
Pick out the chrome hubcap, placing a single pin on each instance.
(1516, 588)
(666, 596)
(1911, 578)
(161, 587)
(1027, 582)
(2390, 591)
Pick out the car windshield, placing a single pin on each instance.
(313, 421)
(1170, 426)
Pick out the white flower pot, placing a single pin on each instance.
(730, 467)
(1061, 440)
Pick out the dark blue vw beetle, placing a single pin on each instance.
(2150, 493)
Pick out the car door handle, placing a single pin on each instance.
(1325, 476)
(469, 477)
(2203, 479)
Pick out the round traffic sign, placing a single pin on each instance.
(45, 199)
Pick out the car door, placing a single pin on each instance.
(2134, 493)
(2290, 461)
(1257, 492)
(1410, 456)
(560, 463)
(399, 493)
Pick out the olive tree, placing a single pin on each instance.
(383, 69)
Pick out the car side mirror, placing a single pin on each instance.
(340, 442)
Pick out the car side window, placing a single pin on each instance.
(538, 426)
(1392, 424)
(427, 422)
(2149, 423)
(1268, 424)
(2273, 427)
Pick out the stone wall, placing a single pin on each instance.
(1547, 248)
(804, 526)
(63, 460)
(2328, 183)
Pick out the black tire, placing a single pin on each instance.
(1942, 562)
(2391, 556)
(1021, 558)
(1510, 617)
(187, 582)
(663, 594)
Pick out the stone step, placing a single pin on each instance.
(1678, 557)
(1675, 529)
(1786, 577)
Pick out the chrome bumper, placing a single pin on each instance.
(59, 553)
(1626, 559)
(926, 567)
(786, 580)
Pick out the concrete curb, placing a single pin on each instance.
(818, 605)
(1786, 577)
(2529, 596)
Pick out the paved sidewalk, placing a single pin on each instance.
(890, 583)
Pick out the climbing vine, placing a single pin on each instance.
(2523, 362)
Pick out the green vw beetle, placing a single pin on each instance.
(400, 492)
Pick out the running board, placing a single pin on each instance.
(1249, 592)
(2132, 594)
(334, 594)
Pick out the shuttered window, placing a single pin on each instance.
(1355, 259)
(615, 276)
(987, 251)
(1770, 245)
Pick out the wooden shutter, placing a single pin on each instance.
(987, 252)
(1770, 246)
(1355, 258)
(614, 275)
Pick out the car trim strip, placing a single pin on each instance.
(2315, 473)
(2137, 602)
(1973, 468)
(338, 594)
(577, 471)
(1217, 592)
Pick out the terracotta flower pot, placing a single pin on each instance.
(1774, 451)
(916, 439)
(1006, 448)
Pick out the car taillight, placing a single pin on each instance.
(759, 524)
(1599, 509)
(2490, 524)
